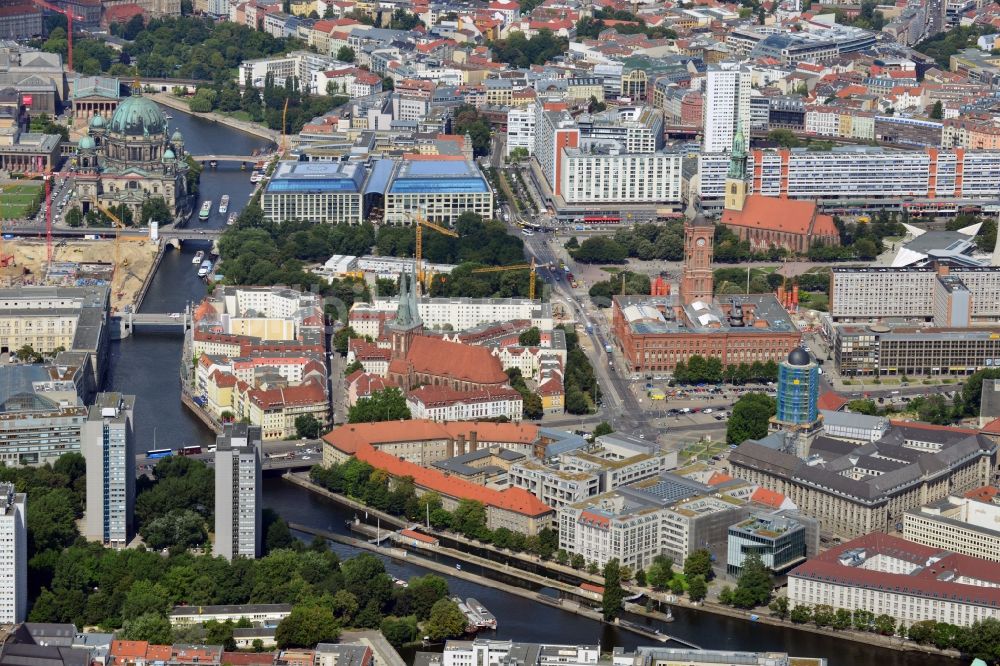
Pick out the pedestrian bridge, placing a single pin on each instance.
(128, 321)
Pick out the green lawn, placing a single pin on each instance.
(702, 450)
(19, 199)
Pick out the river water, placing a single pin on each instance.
(147, 364)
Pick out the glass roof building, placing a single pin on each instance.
(316, 191)
(442, 187)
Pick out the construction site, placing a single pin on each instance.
(81, 262)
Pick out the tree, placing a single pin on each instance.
(841, 619)
(306, 626)
(603, 428)
(754, 585)
(749, 418)
(353, 367)
(341, 338)
(823, 615)
(446, 621)
(177, 528)
(863, 620)
(800, 614)
(640, 578)
(276, 532)
(660, 572)
(307, 426)
(27, 354)
(399, 631)
(386, 405)
(698, 563)
(779, 608)
(74, 217)
(600, 250)
(937, 111)
(611, 602)
(148, 627)
(863, 406)
(345, 54)
(577, 561)
(697, 588)
(530, 338)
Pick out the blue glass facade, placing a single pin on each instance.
(798, 391)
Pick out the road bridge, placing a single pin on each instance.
(231, 158)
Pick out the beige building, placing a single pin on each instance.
(910, 582)
(853, 490)
(957, 524)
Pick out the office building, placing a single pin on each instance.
(13, 556)
(41, 411)
(957, 524)
(858, 428)
(315, 191)
(853, 490)
(908, 581)
(238, 491)
(262, 614)
(915, 294)
(452, 314)
(727, 106)
(896, 350)
(303, 65)
(778, 539)
(46, 318)
(440, 187)
(109, 451)
(21, 20)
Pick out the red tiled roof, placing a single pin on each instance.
(442, 358)
(925, 581)
(984, 494)
(831, 400)
(411, 534)
(767, 497)
(222, 379)
(590, 587)
(248, 658)
(785, 215)
(516, 500)
(719, 478)
(993, 427)
(307, 393)
(348, 438)
(129, 649)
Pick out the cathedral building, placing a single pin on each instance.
(767, 222)
(130, 159)
(422, 360)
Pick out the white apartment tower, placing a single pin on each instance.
(109, 449)
(727, 105)
(13, 556)
(238, 492)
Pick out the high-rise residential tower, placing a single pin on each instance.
(13, 556)
(726, 106)
(109, 449)
(238, 492)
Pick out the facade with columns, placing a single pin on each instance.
(130, 160)
(95, 95)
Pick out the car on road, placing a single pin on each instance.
(707, 410)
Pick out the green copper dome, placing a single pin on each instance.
(87, 143)
(168, 155)
(138, 116)
(177, 137)
(97, 121)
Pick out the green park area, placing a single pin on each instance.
(701, 450)
(20, 199)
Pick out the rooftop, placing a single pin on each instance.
(317, 178)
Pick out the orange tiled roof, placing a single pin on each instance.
(832, 401)
(516, 500)
(784, 215)
(434, 356)
(767, 497)
(348, 438)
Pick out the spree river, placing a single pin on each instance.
(147, 364)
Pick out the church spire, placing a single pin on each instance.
(738, 158)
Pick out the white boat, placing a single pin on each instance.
(486, 619)
(206, 211)
(168, 116)
(256, 177)
(206, 266)
(198, 257)
(224, 204)
(232, 219)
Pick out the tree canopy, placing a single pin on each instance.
(749, 418)
(386, 405)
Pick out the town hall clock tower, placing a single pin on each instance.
(696, 278)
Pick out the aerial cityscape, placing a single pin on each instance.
(499, 333)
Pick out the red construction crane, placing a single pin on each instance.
(69, 24)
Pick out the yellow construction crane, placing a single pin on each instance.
(515, 267)
(420, 222)
(119, 225)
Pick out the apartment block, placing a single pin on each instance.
(13, 556)
(238, 492)
(109, 450)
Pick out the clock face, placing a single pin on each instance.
(700, 242)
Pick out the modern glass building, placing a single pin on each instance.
(779, 540)
(315, 191)
(798, 389)
(441, 187)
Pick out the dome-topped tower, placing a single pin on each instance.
(97, 121)
(799, 357)
(138, 116)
